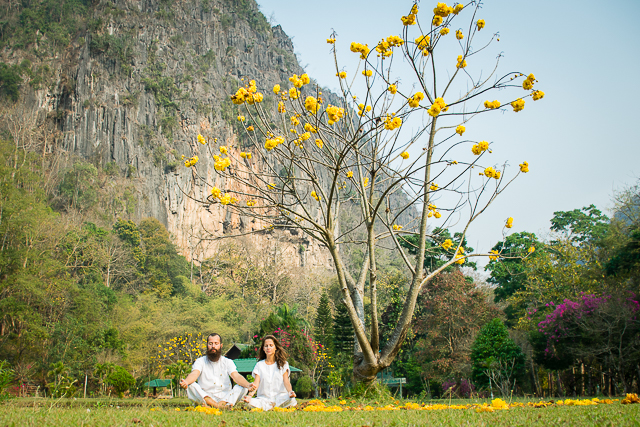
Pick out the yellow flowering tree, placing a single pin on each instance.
(182, 348)
(391, 141)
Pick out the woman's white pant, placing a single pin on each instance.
(196, 393)
(282, 400)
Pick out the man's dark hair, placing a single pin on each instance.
(214, 335)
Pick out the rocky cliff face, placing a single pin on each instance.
(136, 87)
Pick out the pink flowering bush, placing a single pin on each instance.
(593, 328)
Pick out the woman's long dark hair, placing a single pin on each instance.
(281, 354)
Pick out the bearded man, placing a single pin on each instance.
(209, 384)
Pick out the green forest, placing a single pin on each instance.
(85, 294)
(95, 301)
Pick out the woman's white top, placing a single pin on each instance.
(271, 379)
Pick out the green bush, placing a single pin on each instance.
(6, 377)
(10, 81)
(494, 355)
(120, 380)
(304, 386)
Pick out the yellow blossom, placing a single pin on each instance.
(349, 174)
(272, 143)
(442, 10)
(192, 161)
(201, 139)
(490, 172)
(460, 130)
(294, 93)
(404, 155)
(309, 128)
(529, 82)
(315, 196)
(250, 128)
(495, 255)
(524, 167)
(397, 227)
(518, 105)
(296, 81)
(222, 164)
(437, 20)
(392, 88)
(422, 42)
(294, 121)
(305, 136)
(311, 104)
(227, 199)
(531, 249)
(271, 186)
(366, 182)
(360, 48)
(342, 74)
(391, 124)
(459, 35)
(367, 73)
(414, 101)
(245, 155)
(305, 79)
(480, 24)
(241, 118)
(433, 186)
(538, 94)
(461, 62)
(334, 113)
(331, 41)
(444, 31)
(447, 244)
(240, 96)
(281, 108)
(458, 8)
(409, 19)
(258, 97)
(509, 223)
(492, 105)
(215, 191)
(319, 143)
(276, 89)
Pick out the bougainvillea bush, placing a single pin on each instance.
(594, 328)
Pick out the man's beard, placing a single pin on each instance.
(214, 355)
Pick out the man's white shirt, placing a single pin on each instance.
(214, 376)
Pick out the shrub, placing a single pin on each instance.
(120, 380)
(304, 386)
(6, 377)
(496, 357)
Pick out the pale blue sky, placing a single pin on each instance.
(581, 140)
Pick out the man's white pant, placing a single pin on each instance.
(196, 393)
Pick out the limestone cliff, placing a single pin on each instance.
(135, 85)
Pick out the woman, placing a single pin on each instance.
(271, 375)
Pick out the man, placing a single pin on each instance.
(212, 372)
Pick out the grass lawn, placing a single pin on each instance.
(139, 412)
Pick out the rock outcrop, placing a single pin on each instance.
(136, 87)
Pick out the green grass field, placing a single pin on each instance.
(102, 412)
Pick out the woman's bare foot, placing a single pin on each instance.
(209, 402)
(247, 399)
